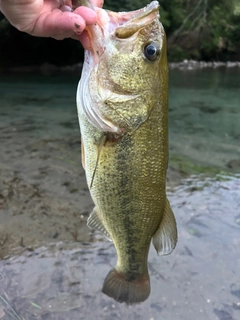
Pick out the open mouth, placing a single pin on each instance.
(135, 20)
(122, 25)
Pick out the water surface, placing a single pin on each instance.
(53, 267)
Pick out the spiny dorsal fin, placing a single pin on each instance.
(95, 222)
(165, 238)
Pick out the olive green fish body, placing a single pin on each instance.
(131, 172)
(125, 152)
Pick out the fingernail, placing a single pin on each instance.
(78, 32)
(66, 8)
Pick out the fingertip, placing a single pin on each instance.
(78, 28)
(75, 23)
(71, 22)
(87, 14)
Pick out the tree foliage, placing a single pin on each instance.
(198, 29)
(203, 29)
(124, 5)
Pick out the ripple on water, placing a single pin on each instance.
(199, 280)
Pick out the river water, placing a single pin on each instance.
(60, 275)
(205, 116)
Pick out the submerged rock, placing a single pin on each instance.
(234, 164)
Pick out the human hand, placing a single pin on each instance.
(49, 18)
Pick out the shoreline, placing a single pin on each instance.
(194, 64)
(50, 69)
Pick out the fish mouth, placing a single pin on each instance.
(121, 25)
(137, 20)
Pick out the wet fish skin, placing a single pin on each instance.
(123, 112)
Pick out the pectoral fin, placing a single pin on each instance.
(83, 154)
(99, 148)
(95, 222)
(165, 238)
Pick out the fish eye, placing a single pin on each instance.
(151, 51)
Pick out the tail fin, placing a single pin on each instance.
(119, 288)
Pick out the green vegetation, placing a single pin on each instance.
(196, 29)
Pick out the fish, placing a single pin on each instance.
(122, 102)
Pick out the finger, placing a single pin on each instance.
(88, 14)
(65, 8)
(54, 23)
(64, 35)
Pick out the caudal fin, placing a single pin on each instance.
(119, 288)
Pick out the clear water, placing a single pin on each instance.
(200, 279)
(205, 115)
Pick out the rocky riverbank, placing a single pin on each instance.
(193, 64)
(50, 69)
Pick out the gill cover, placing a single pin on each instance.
(102, 101)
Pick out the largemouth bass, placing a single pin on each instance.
(122, 101)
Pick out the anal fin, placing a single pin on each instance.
(165, 238)
(95, 222)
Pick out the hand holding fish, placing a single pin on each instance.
(49, 18)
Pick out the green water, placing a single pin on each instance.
(204, 112)
(205, 117)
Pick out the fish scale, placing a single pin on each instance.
(124, 130)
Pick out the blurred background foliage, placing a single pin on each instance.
(196, 29)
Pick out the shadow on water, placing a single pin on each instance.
(53, 267)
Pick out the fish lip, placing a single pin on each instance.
(136, 20)
(143, 13)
